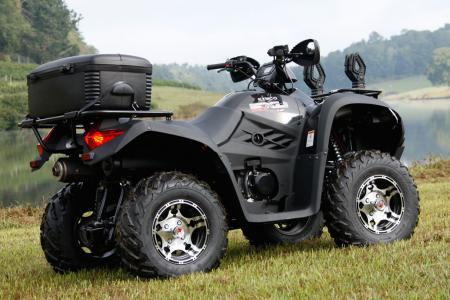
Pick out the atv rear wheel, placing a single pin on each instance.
(61, 240)
(373, 199)
(287, 232)
(172, 224)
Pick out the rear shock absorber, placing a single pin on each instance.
(336, 149)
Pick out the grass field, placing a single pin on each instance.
(410, 88)
(423, 93)
(317, 269)
(396, 86)
(172, 98)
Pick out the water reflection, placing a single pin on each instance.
(427, 128)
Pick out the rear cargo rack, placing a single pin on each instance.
(49, 122)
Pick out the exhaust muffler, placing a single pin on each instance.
(72, 170)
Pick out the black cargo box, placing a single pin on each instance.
(113, 81)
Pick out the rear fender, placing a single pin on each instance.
(172, 145)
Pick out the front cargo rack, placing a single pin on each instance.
(370, 93)
(49, 122)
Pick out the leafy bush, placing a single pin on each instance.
(13, 71)
(13, 104)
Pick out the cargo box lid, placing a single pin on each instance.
(114, 62)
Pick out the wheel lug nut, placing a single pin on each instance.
(179, 222)
(378, 195)
(166, 226)
(169, 241)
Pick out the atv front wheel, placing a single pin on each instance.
(287, 232)
(61, 239)
(373, 199)
(173, 224)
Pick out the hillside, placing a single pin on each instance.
(184, 103)
(404, 55)
(410, 88)
(39, 31)
(396, 86)
(437, 92)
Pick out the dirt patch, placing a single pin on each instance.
(434, 170)
(20, 216)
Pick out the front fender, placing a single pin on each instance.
(312, 160)
(334, 103)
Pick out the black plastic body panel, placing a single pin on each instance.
(71, 83)
(228, 130)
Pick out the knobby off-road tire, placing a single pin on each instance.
(58, 236)
(373, 199)
(289, 232)
(172, 224)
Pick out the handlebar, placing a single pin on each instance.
(216, 66)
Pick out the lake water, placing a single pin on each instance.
(427, 128)
(427, 125)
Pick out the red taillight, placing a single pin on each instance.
(95, 138)
(39, 147)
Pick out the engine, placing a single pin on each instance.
(257, 184)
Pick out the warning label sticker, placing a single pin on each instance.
(268, 106)
(310, 139)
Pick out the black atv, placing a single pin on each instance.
(161, 195)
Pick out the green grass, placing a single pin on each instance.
(317, 269)
(423, 93)
(14, 71)
(410, 88)
(396, 86)
(171, 98)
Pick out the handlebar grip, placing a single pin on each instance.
(216, 66)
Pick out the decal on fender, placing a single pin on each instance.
(268, 106)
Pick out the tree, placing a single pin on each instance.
(12, 27)
(51, 21)
(438, 71)
(375, 37)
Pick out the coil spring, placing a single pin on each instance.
(336, 149)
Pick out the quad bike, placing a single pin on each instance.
(161, 195)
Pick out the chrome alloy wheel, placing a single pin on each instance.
(180, 231)
(380, 204)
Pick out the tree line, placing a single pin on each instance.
(407, 54)
(47, 29)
